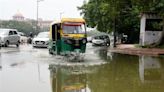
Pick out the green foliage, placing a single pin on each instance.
(21, 26)
(119, 15)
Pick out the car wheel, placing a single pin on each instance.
(18, 44)
(6, 43)
(34, 46)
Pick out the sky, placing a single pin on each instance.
(48, 9)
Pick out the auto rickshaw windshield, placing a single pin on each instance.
(73, 28)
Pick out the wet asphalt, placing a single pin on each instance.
(26, 69)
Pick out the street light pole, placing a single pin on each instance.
(114, 44)
(61, 15)
(37, 14)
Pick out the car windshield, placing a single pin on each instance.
(3, 32)
(43, 35)
(101, 37)
(73, 28)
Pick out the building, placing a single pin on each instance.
(42, 24)
(18, 17)
(151, 29)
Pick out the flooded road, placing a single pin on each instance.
(28, 69)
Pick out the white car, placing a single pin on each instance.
(23, 38)
(102, 40)
(9, 37)
(41, 40)
(89, 39)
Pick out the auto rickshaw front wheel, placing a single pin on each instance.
(50, 52)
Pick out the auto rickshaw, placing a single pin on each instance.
(68, 36)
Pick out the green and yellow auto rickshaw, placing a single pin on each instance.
(68, 36)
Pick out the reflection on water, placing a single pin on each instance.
(124, 73)
(150, 69)
(0, 71)
(101, 71)
(104, 54)
(68, 79)
(24, 78)
(0, 62)
(130, 73)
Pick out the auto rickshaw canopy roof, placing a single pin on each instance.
(72, 20)
(79, 20)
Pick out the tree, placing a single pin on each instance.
(119, 15)
(21, 26)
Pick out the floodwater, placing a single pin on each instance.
(34, 70)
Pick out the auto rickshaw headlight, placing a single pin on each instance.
(84, 41)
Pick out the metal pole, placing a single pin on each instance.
(114, 44)
(37, 16)
(37, 11)
(61, 15)
(39, 73)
